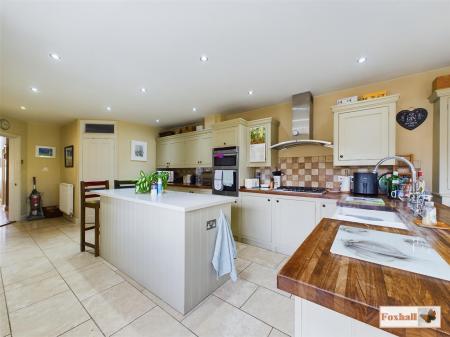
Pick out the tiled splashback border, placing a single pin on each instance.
(317, 171)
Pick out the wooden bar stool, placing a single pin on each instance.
(89, 199)
(118, 184)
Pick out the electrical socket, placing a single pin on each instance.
(210, 224)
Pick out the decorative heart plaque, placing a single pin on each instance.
(411, 119)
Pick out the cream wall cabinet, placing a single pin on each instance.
(271, 137)
(280, 223)
(364, 132)
(187, 150)
(226, 137)
(441, 144)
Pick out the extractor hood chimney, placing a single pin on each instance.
(302, 124)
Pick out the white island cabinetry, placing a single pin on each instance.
(164, 244)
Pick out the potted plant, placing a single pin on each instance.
(145, 181)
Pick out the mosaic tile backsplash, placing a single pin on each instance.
(315, 171)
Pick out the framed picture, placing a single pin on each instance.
(45, 151)
(68, 156)
(138, 150)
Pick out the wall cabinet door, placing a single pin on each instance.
(292, 220)
(256, 223)
(225, 137)
(204, 151)
(169, 154)
(363, 135)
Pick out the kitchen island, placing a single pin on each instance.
(346, 293)
(166, 243)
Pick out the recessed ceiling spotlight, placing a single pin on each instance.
(108, 108)
(22, 107)
(157, 121)
(143, 90)
(34, 89)
(250, 92)
(55, 56)
(362, 59)
(203, 58)
(194, 109)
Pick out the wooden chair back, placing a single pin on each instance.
(88, 188)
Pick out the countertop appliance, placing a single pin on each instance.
(251, 183)
(225, 171)
(276, 179)
(299, 189)
(365, 183)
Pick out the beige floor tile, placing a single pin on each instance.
(20, 297)
(31, 280)
(87, 329)
(19, 255)
(26, 269)
(236, 293)
(79, 261)
(167, 308)
(48, 318)
(117, 307)
(63, 251)
(261, 256)
(92, 280)
(216, 318)
(15, 243)
(241, 264)
(130, 280)
(50, 239)
(272, 308)
(277, 333)
(4, 322)
(156, 323)
(263, 276)
(240, 246)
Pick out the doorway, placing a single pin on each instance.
(4, 180)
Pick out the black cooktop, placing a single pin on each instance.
(298, 189)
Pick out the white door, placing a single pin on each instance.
(256, 224)
(98, 163)
(15, 202)
(292, 221)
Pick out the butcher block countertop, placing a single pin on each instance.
(356, 288)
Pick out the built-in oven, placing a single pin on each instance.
(226, 171)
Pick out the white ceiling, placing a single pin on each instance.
(110, 49)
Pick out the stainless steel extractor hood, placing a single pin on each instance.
(302, 124)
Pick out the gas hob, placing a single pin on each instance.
(298, 189)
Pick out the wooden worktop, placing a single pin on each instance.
(356, 288)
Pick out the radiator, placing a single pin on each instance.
(66, 198)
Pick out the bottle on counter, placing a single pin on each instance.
(429, 214)
(159, 186)
(420, 182)
(154, 191)
(394, 185)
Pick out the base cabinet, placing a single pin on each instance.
(292, 221)
(236, 218)
(309, 319)
(281, 223)
(256, 224)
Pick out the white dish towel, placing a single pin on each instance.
(218, 183)
(228, 178)
(225, 250)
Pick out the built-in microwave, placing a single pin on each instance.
(225, 171)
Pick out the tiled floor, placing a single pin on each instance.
(48, 288)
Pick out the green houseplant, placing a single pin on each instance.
(145, 181)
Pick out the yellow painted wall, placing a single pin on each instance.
(414, 91)
(70, 135)
(46, 170)
(128, 169)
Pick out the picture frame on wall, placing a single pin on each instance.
(68, 156)
(45, 151)
(138, 150)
